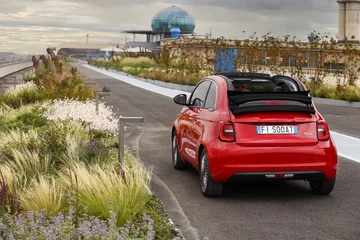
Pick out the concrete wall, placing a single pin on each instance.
(148, 45)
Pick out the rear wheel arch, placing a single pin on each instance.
(201, 148)
(173, 131)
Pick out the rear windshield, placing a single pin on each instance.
(263, 85)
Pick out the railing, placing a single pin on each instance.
(9, 67)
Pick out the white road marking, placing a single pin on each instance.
(347, 146)
(138, 83)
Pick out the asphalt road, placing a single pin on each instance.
(283, 210)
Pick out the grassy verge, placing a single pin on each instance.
(59, 171)
(180, 73)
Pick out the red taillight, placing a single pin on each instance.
(323, 132)
(274, 103)
(226, 132)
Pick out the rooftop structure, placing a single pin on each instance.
(164, 24)
(349, 20)
(173, 17)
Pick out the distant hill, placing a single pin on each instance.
(13, 56)
(7, 55)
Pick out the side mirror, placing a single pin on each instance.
(181, 99)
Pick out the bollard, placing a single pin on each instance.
(122, 122)
(102, 94)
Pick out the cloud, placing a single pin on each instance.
(51, 22)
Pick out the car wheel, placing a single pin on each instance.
(323, 186)
(177, 163)
(209, 187)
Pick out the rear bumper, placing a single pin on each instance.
(285, 175)
(229, 161)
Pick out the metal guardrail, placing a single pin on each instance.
(14, 67)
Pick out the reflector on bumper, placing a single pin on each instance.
(279, 175)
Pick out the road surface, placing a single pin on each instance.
(284, 210)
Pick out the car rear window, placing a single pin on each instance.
(263, 85)
(253, 85)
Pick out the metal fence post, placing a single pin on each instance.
(14, 81)
(102, 94)
(97, 103)
(312, 86)
(122, 121)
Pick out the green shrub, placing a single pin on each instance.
(174, 76)
(179, 63)
(24, 97)
(325, 91)
(140, 62)
(102, 191)
(349, 94)
(132, 71)
(43, 193)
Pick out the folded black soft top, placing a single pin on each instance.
(238, 97)
(238, 100)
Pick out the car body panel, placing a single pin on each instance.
(198, 128)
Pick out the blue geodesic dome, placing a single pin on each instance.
(173, 17)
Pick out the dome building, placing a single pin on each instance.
(173, 17)
(167, 23)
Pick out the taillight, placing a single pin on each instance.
(323, 132)
(226, 132)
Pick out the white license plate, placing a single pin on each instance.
(277, 129)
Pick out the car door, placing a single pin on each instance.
(190, 127)
(206, 121)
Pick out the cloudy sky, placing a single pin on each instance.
(29, 26)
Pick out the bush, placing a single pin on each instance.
(325, 92)
(348, 94)
(132, 71)
(60, 86)
(104, 191)
(43, 193)
(23, 96)
(140, 62)
(27, 119)
(178, 77)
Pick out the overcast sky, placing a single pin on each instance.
(30, 26)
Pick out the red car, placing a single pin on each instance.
(253, 126)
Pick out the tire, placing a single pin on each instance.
(322, 187)
(177, 163)
(209, 188)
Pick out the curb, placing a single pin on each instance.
(187, 88)
(334, 102)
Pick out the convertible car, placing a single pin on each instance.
(253, 126)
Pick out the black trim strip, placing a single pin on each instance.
(272, 108)
(257, 176)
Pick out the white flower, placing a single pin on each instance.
(19, 88)
(84, 111)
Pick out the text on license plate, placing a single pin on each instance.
(277, 129)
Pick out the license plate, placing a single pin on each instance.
(277, 129)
